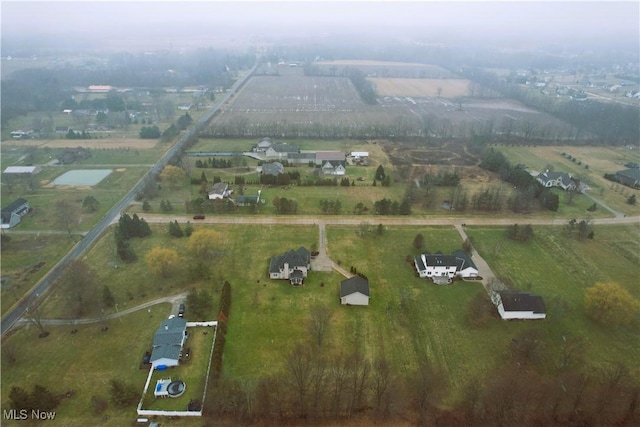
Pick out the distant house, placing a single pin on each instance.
(99, 88)
(279, 150)
(275, 168)
(329, 168)
(355, 291)
(18, 134)
(359, 154)
(247, 200)
(23, 170)
(629, 177)
(13, 213)
(293, 266)
(263, 145)
(441, 269)
(168, 341)
(519, 305)
(556, 179)
(220, 190)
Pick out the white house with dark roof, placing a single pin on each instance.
(355, 291)
(556, 179)
(168, 341)
(441, 269)
(331, 168)
(13, 213)
(519, 305)
(292, 265)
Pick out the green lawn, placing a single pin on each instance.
(408, 320)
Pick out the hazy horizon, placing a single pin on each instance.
(544, 22)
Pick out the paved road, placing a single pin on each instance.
(35, 295)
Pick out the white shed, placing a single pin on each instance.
(355, 291)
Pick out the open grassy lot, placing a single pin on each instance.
(560, 268)
(408, 320)
(25, 259)
(83, 362)
(601, 160)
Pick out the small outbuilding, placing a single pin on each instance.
(519, 305)
(355, 291)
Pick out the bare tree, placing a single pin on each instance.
(319, 322)
(79, 284)
(66, 215)
(34, 316)
(299, 375)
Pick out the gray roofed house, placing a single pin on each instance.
(168, 341)
(556, 179)
(335, 157)
(355, 291)
(519, 305)
(629, 177)
(275, 168)
(13, 212)
(292, 266)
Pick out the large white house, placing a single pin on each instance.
(443, 268)
(519, 305)
(355, 291)
(167, 343)
(292, 266)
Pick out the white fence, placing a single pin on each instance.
(149, 412)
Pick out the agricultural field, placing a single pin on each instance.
(329, 107)
(384, 69)
(422, 88)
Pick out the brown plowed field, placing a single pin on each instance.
(421, 88)
(107, 143)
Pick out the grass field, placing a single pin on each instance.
(601, 160)
(408, 320)
(421, 88)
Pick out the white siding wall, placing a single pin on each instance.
(355, 299)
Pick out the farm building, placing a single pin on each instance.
(355, 291)
(335, 157)
(292, 266)
(629, 177)
(280, 150)
(556, 179)
(219, 191)
(443, 268)
(168, 341)
(13, 213)
(23, 170)
(247, 200)
(519, 305)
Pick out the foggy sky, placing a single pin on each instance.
(543, 21)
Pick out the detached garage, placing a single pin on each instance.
(354, 291)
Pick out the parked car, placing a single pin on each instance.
(198, 217)
(181, 309)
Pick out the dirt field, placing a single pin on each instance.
(421, 88)
(449, 154)
(385, 69)
(107, 143)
